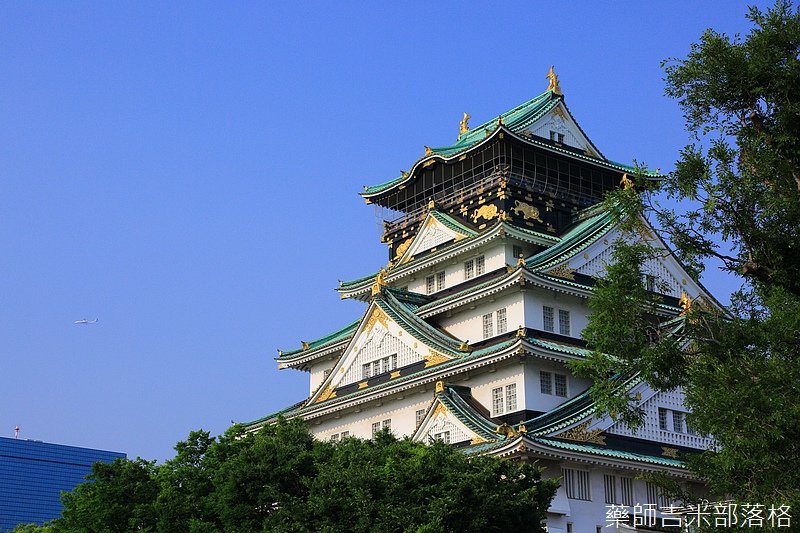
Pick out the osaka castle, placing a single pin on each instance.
(494, 245)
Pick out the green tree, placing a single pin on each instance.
(281, 479)
(738, 185)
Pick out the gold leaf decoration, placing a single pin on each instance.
(669, 452)
(327, 394)
(434, 358)
(562, 271)
(402, 247)
(527, 211)
(581, 433)
(477, 440)
(487, 212)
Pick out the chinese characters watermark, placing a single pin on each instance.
(704, 513)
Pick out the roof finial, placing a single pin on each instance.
(305, 345)
(553, 85)
(380, 281)
(685, 302)
(626, 182)
(440, 386)
(521, 331)
(464, 346)
(464, 126)
(428, 150)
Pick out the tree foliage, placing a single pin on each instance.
(281, 479)
(737, 186)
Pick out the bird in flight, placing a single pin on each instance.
(85, 321)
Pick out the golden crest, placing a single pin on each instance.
(562, 271)
(327, 394)
(581, 433)
(377, 317)
(464, 126)
(552, 84)
(669, 452)
(434, 358)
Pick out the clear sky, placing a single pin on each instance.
(188, 173)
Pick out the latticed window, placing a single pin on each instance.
(366, 371)
(560, 385)
(334, 437)
(563, 322)
(439, 281)
(626, 492)
(345, 434)
(576, 483)
(502, 321)
(376, 427)
(387, 424)
(497, 401)
(546, 379)
(419, 415)
(480, 265)
(443, 436)
(511, 398)
(662, 419)
(656, 496)
(516, 251)
(430, 284)
(547, 318)
(610, 488)
(469, 269)
(677, 421)
(487, 326)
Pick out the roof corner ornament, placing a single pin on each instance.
(380, 281)
(522, 428)
(626, 182)
(521, 331)
(305, 345)
(521, 261)
(439, 386)
(506, 430)
(553, 81)
(464, 346)
(464, 126)
(431, 204)
(685, 302)
(428, 151)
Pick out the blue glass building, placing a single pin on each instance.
(33, 474)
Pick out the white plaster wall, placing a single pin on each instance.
(498, 376)
(536, 298)
(534, 398)
(358, 421)
(467, 323)
(494, 257)
(318, 372)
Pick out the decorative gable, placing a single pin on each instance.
(441, 422)
(437, 229)
(564, 130)
(379, 346)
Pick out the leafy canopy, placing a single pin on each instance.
(737, 186)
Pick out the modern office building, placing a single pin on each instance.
(33, 474)
(495, 244)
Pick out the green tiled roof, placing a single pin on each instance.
(465, 413)
(610, 452)
(338, 335)
(452, 223)
(576, 239)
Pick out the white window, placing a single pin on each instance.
(419, 415)
(677, 421)
(334, 437)
(610, 488)
(443, 436)
(516, 251)
(439, 281)
(469, 269)
(576, 483)
(546, 379)
(497, 401)
(511, 398)
(504, 399)
(650, 282)
(430, 284)
(561, 385)
(502, 321)
(689, 429)
(326, 373)
(626, 492)
(376, 427)
(656, 496)
(487, 326)
(387, 424)
(662, 418)
(563, 322)
(366, 371)
(480, 265)
(379, 366)
(344, 434)
(547, 318)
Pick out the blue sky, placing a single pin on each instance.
(188, 174)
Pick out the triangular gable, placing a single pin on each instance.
(443, 422)
(670, 276)
(377, 337)
(436, 229)
(561, 121)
